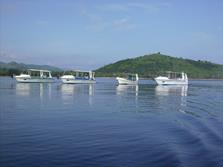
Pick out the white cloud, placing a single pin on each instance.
(127, 7)
(123, 24)
(91, 16)
(142, 6)
(99, 19)
(97, 22)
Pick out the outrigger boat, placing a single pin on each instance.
(130, 79)
(172, 78)
(35, 75)
(79, 77)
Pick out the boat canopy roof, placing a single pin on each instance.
(38, 70)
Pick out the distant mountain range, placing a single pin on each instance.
(154, 64)
(16, 68)
(15, 65)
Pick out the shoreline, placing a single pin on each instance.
(141, 78)
(201, 79)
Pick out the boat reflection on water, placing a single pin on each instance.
(69, 91)
(174, 96)
(42, 92)
(127, 98)
(125, 89)
(166, 90)
(23, 89)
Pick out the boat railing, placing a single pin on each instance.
(173, 75)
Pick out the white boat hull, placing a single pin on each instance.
(78, 81)
(35, 80)
(42, 78)
(171, 81)
(123, 81)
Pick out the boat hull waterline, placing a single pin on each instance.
(32, 80)
(123, 81)
(170, 82)
(167, 81)
(77, 81)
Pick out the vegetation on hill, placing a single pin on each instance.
(154, 64)
(11, 68)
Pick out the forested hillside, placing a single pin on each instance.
(154, 64)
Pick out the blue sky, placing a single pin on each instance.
(87, 34)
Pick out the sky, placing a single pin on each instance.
(87, 34)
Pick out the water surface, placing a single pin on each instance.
(108, 125)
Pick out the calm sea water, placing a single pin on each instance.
(109, 125)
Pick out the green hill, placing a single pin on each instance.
(17, 68)
(154, 64)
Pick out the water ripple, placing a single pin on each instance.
(109, 125)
